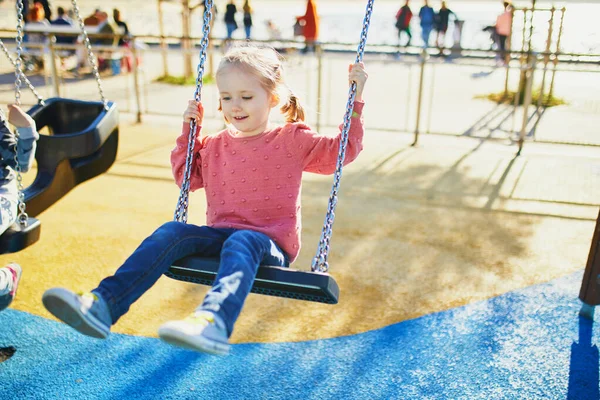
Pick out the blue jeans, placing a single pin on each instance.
(241, 253)
(425, 33)
(231, 27)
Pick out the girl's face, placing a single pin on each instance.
(245, 102)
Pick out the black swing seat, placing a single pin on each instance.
(82, 143)
(17, 236)
(270, 280)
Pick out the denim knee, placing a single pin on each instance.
(248, 239)
(168, 230)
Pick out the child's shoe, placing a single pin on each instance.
(16, 271)
(85, 312)
(201, 331)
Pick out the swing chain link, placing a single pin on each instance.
(90, 53)
(319, 263)
(21, 206)
(181, 211)
(27, 81)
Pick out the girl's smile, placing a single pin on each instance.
(244, 101)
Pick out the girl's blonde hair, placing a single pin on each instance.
(266, 64)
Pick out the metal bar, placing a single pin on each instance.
(509, 52)
(319, 84)
(163, 44)
(408, 96)
(431, 93)
(55, 80)
(136, 84)
(546, 57)
(590, 288)
(420, 97)
(526, 103)
(555, 61)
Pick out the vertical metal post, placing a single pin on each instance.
(163, 44)
(408, 96)
(508, 46)
(555, 61)
(590, 285)
(211, 47)
(136, 84)
(515, 105)
(186, 43)
(431, 93)
(55, 80)
(319, 83)
(546, 56)
(526, 102)
(524, 41)
(420, 96)
(329, 92)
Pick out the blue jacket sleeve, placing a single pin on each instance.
(25, 145)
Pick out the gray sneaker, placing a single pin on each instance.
(15, 270)
(85, 312)
(201, 331)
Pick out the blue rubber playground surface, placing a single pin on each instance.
(525, 344)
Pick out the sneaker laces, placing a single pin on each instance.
(87, 295)
(88, 298)
(200, 318)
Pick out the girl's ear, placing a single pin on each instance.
(274, 100)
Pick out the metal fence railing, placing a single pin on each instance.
(412, 93)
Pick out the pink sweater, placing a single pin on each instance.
(254, 182)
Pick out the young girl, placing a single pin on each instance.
(251, 173)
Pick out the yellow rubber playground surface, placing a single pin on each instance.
(417, 230)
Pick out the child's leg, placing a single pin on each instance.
(210, 326)
(8, 211)
(93, 314)
(169, 243)
(6, 280)
(9, 281)
(243, 252)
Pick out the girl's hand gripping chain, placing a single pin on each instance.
(194, 111)
(358, 75)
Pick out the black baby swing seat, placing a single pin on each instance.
(81, 144)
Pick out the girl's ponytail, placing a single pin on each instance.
(292, 109)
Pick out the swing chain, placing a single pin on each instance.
(21, 214)
(90, 53)
(19, 61)
(27, 81)
(181, 211)
(320, 263)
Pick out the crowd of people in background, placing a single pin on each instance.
(439, 21)
(39, 12)
(429, 21)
